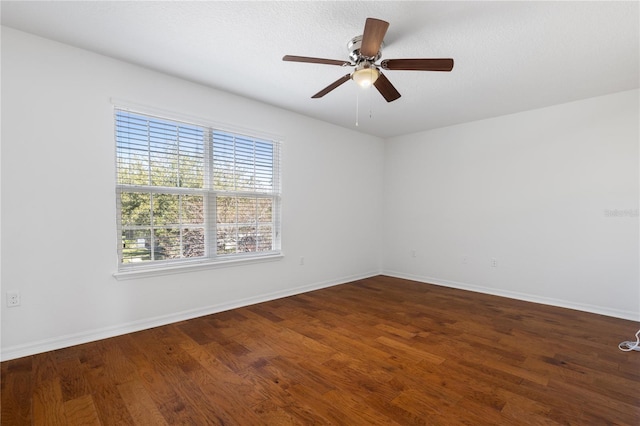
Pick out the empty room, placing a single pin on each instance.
(332, 213)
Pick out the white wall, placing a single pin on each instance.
(58, 200)
(532, 190)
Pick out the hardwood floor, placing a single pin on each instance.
(376, 351)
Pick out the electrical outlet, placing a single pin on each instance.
(13, 298)
(494, 262)
(301, 260)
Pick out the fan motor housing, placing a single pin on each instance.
(354, 45)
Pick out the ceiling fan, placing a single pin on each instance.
(364, 51)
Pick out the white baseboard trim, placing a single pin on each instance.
(600, 310)
(46, 345)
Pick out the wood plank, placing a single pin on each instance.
(141, 407)
(16, 391)
(47, 400)
(81, 411)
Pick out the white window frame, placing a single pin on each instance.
(211, 258)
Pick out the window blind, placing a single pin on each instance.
(189, 192)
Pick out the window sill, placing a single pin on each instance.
(191, 267)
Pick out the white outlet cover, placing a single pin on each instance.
(13, 298)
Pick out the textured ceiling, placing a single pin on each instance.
(509, 56)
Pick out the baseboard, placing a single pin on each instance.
(46, 345)
(600, 310)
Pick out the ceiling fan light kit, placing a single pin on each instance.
(364, 51)
(365, 74)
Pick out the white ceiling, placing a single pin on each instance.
(509, 56)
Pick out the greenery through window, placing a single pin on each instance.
(189, 193)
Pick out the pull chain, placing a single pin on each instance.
(370, 101)
(370, 90)
(357, 107)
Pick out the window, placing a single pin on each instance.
(188, 193)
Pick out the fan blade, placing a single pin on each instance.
(386, 89)
(374, 31)
(292, 58)
(444, 64)
(332, 86)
